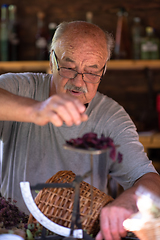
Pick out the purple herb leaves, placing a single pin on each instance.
(91, 141)
(9, 214)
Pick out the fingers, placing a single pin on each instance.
(105, 232)
(121, 229)
(69, 109)
(111, 224)
(55, 119)
(59, 109)
(84, 117)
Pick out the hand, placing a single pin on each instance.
(113, 215)
(111, 222)
(58, 109)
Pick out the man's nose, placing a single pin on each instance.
(79, 79)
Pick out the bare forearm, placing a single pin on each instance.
(56, 109)
(128, 198)
(151, 181)
(15, 108)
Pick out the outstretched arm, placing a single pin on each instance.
(113, 215)
(56, 109)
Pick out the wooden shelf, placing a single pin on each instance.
(150, 140)
(43, 66)
(133, 64)
(23, 66)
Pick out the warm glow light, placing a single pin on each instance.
(132, 224)
(135, 223)
(144, 204)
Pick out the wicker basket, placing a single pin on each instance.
(57, 203)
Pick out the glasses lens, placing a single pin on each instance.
(91, 77)
(68, 73)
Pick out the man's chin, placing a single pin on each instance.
(79, 95)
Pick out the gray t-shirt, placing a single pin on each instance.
(35, 153)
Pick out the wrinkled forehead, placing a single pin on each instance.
(84, 40)
(84, 29)
(85, 32)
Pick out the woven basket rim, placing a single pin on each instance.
(57, 203)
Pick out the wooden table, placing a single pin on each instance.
(150, 140)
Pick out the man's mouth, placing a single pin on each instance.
(74, 90)
(75, 93)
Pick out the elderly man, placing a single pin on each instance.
(39, 112)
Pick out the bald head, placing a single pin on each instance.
(73, 31)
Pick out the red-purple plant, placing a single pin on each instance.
(91, 141)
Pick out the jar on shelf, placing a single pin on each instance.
(4, 38)
(13, 33)
(42, 36)
(122, 40)
(150, 45)
(137, 32)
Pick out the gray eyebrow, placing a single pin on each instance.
(67, 59)
(93, 66)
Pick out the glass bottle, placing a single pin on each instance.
(41, 38)
(122, 41)
(4, 43)
(13, 33)
(52, 28)
(89, 17)
(137, 33)
(150, 45)
(158, 109)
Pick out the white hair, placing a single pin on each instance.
(62, 27)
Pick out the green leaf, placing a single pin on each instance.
(29, 235)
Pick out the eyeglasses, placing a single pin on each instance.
(71, 74)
